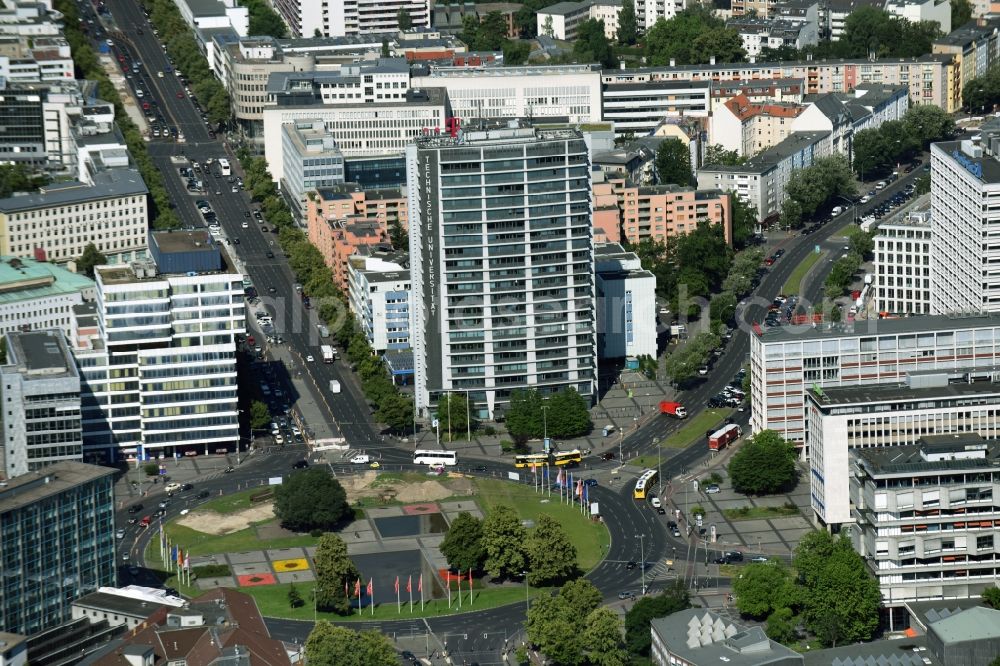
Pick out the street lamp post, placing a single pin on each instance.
(525, 574)
(545, 423)
(642, 562)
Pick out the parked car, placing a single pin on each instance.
(713, 489)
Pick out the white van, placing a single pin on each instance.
(837, 210)
(360, 459)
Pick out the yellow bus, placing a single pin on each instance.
(531, 460)
(570, 458)
(646, 483)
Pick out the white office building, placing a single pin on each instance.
(379, 296)
(57, 223)
(567, 92)
(903, 266)
(785, 361)
(926, 517)
(306, 18)
(310, 159)
(352, 125)
(639, 108)
(626, 304)
(37, 295)
(965, 212)
(40, 387)
(502, 265)
(163, 383)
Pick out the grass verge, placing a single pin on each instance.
(200, 543)
(273, 602)
(590, 538)
(793, 285)
(761, 512)
(232, 503)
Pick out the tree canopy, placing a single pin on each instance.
(692, 37)
(814, 186)
(260, 415)
(869, 29)
(763, 588)
(763, 465)
(637, 619)
(673, 163)
(454, 415)
(504, 541)
(565, 628)
(19, 178)
(551, 555)
(563, 414)
(463, 543)
(90, 258)
(264, 20)
(331, 645)
(628, 27)
(335, 573)
(310, 499)
(592, 45)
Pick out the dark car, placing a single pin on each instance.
(608, 456)
(660, 510)
(269, 255)
(735, 556)
(481, 468)
(301, 464)
(203, 494)
(671, 524)
(135, 508)
(590, 482)
(186, 486)
(246, 213)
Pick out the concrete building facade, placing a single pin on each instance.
(502, 265)
(162, 381)
(57, 542)
(903, 266)
(41, 396)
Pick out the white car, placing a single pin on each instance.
(173, 487)
(361, 459)
(160, 74)
(310, 359)
(279, 439)
(139, 94)
(244, 225)
(656, 502)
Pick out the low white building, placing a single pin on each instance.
(903, 266)
(626, 304)
(57, 223)
(37, 295)
(379, 296)
(917, 11)
(561, 20)
(206, 14)
(567, 92)
(761, 180)
(419, 112)
(639, 108)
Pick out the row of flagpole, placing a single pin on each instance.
(174, 558)
(570, 491)
(370, 591)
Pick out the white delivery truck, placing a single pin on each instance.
(334, 386)
(327, 351)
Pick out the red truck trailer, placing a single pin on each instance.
(674, 409)
(724, 436)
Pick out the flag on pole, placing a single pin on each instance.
(409, 590)
(371, 594)
(187, 566)
(173, 557)
(470, 586)
(357, 593)
(420, 589)
(398, 603)
(447, 579)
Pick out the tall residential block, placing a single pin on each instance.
(162, 380)
(501, 264)
(965, 210)
(40, 388)
(57, 543)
